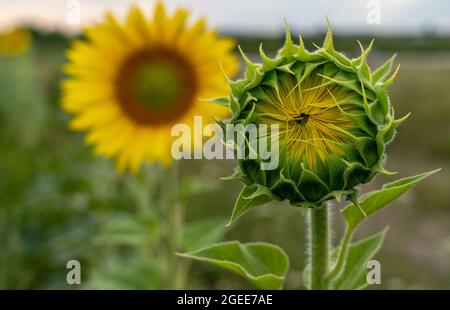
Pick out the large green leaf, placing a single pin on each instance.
(354, 275)
(203, 232)
(376, 200)
(263, 264)
(195, 185)
(249, 198)
(128, 229)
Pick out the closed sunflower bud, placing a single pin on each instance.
(334, 118)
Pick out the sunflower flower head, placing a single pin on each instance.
(130, 82)
(15, 42)
(334, 118)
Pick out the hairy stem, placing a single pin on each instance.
(319, 243)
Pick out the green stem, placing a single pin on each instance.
(319, 243)
(177, 270)
(338, 267)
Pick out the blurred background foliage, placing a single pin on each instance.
(58, 202)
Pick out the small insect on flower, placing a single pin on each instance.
(334, 119)
(15, 42)
(130, 82)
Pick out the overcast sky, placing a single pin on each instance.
(252, 16)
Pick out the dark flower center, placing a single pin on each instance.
(156, 86)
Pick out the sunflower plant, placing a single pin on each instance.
(128, 83)
(335, 120)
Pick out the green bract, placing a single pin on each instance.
(334, 118)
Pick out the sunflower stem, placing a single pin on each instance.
(319, 246)
(177, 269)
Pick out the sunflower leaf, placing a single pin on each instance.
(191, 186)
(263, 264)
(126, 229)
(376, 200)
(354, 275)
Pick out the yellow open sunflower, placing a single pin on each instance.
(15, 42)
(131, 82)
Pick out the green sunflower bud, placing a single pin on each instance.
(334, 120)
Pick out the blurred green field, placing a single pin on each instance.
(57, 199)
